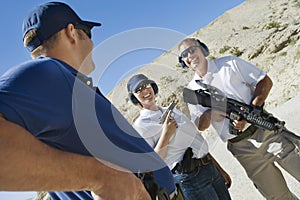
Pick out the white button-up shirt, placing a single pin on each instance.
(187, 135)
(236, 78)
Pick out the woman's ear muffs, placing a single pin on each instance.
(203, 48)
(155, 87)
(135, 101)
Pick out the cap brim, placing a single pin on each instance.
(141, 82)
(91, 24)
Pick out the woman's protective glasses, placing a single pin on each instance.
(142, 87)
(189, 50)
(86, 29)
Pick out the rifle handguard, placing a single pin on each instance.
(212, 97)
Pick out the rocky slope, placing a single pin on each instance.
(265, 33)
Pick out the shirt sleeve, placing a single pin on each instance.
(196, 111)
(142, 129)
(250, 73)
(27, 97)
(49, 102)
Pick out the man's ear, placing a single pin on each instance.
(70, 32)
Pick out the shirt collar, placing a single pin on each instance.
(211, 69)
(85, 79)
(149, 114)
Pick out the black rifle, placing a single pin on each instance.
(214, 98)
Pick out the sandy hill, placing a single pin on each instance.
(267, 34)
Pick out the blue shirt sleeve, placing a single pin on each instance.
(99, 123)
(35, 93)
(45, 98)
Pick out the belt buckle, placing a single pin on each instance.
(205, 160)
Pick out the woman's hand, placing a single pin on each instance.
(169, 126)
(169, 129)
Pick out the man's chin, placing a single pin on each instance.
(87, 68)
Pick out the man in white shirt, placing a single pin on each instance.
(256, 149)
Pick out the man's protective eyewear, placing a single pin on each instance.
(85, 29)
(189, 50)
(142, 87)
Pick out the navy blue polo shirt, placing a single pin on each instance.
(59, 106)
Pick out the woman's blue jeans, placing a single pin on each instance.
(205, 182)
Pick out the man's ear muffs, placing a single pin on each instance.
(134, 100)
(182, 63)
(203, 48)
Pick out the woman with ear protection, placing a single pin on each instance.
(178, 141)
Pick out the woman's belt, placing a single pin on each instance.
(188, 167)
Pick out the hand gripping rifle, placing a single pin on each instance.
(214, 98)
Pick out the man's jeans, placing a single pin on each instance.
(204, 183)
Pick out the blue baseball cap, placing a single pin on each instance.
(49, 18)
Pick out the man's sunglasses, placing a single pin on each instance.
(142, 87)
(85, 28)
(189, 50)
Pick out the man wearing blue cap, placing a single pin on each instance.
(57, 131)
